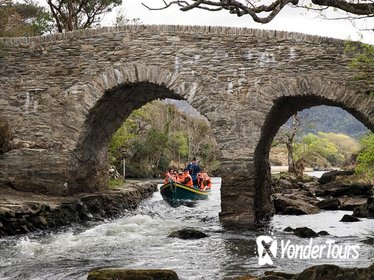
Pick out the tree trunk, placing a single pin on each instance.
(291, 164)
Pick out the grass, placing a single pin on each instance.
(114, 183)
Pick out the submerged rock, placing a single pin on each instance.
(188, 233)
(369, 241)
(288, 229)
(129, 274)
(349, 219)
(305, 232)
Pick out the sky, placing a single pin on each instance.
(289, 19)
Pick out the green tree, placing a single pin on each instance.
(158, 136)
(23, 19)
(314, 148)
(178, 144)
(346, 145)
(79, 14)
(362, 61)
(365, 159)
(120, 145)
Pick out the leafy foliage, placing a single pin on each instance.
(362, 61)
(23, 19)
(365, 160)
(320, 150)
(158, 136)
(79, 14)
(313, 146)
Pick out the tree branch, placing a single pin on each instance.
(352, 8)
(240, 8)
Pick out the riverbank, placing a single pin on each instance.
(24, 212)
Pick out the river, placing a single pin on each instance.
(139, 240)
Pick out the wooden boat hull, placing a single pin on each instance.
(177, 193)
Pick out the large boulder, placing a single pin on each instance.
(292, 206)
(329, 204)
(331, 175)
(366, 210)
(130, 274)
(350, 203)
(351, 190)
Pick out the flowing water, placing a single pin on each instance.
(139, 240)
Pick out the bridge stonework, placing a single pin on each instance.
(64, 95)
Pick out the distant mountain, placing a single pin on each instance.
(314, 120)
(331, 119)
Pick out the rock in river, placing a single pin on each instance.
(352, 190)
(331, 175)
(329, 204)
(188, 233)
(349, 219)
(287, 206)
(366, 210)
(129, 274)
(305, 232)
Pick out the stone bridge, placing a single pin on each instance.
(64, 95)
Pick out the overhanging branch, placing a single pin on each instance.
(265, 13)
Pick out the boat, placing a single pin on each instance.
(176, 193)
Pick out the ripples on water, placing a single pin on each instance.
(139, 240)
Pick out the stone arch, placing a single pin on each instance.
(288, 97)
(107, 101)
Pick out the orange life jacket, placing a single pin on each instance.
(180, 178)
(207, 180)
(187, 180)
(200, 180)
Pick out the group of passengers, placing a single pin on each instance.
(192, 176)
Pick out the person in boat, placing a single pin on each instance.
(204, 181)
(170, 176)
(185, 178)
(180, 177)
(194, 169)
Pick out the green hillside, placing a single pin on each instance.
(331, 119)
